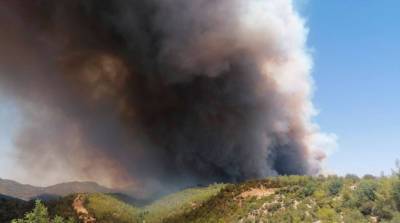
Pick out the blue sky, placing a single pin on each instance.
(357, 74)
(356, 51)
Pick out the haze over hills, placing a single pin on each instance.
(27, 192)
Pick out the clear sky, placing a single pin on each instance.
(356, 51)
(357, 75)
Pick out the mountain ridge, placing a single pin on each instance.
(325, 199)
(28, 192)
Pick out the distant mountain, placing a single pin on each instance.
(17, 190)
(27, 192)
(64, 189)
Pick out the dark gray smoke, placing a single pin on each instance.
(165, 93)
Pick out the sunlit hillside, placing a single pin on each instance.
(278, 199)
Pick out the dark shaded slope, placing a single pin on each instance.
(11, 208)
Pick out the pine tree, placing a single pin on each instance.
(40, 215)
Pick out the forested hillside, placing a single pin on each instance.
(277, 199)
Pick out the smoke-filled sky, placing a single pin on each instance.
(214, 92)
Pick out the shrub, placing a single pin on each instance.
(366, 191)
(334, 187)
(396, 194)
(309, 189)
(366, 207)
(327, 215)
(352, 177)
(353, 216)
(383, 210)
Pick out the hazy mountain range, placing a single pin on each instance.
(27, 192)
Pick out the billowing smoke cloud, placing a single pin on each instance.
(159, 92)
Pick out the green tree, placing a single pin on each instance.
(334, 187)
(396, 185)
(58, 219)
(309, 189)
(352, 177)
(369, 177)
(396, 194)
(40, 215)
(383, 210)
(366, 191)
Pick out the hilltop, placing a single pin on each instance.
(28, 192)
(274, 200)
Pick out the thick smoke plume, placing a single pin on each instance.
(159, 93)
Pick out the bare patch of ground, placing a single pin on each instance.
(81, 211)
(258, 192)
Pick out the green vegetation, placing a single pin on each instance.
(303, 199)
(40, 215)
(106, 208)
(273, 200)
(62, 207)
